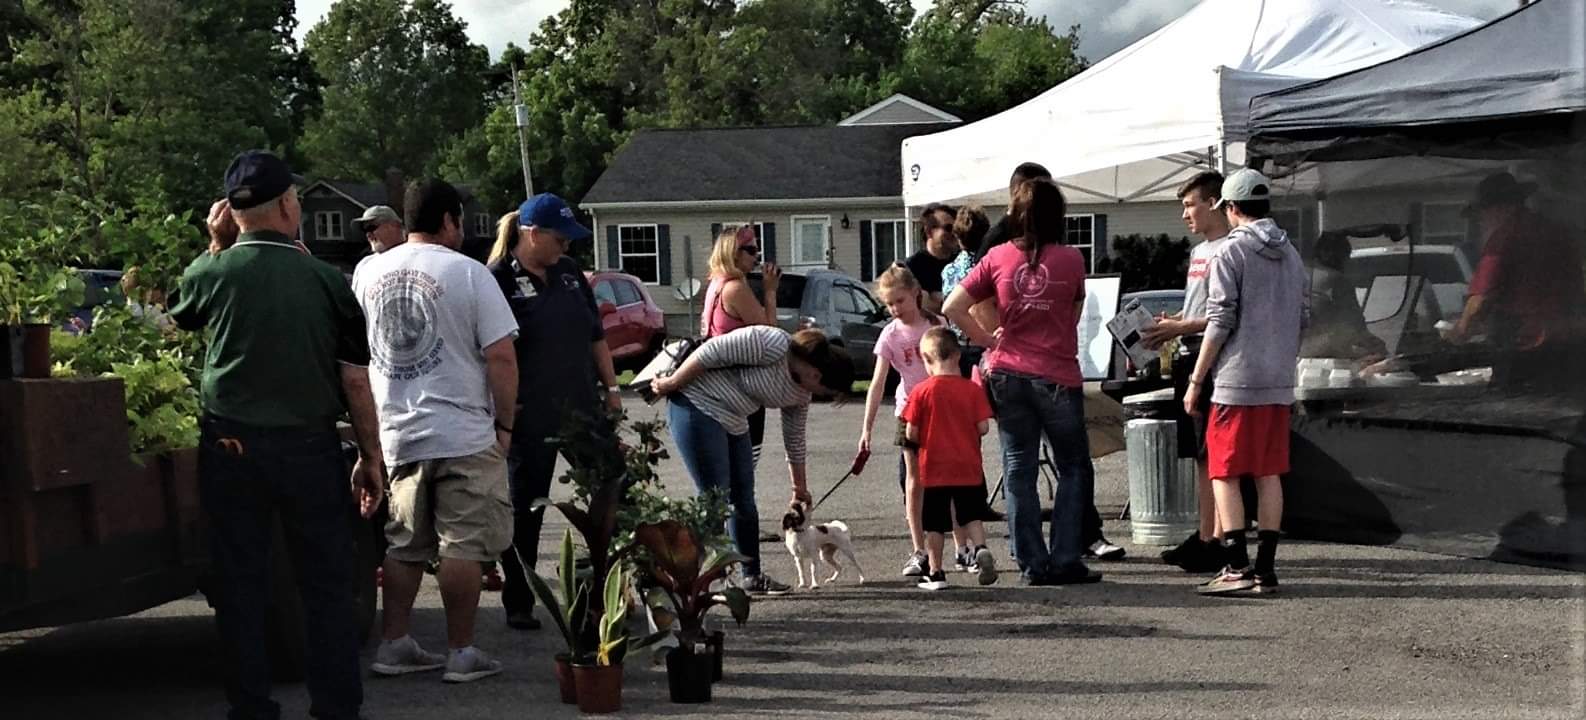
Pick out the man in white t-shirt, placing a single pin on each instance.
(445, 378)
(1202, 550)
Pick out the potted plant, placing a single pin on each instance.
(685, 570)
(598, 679)
(567, 612)
(31, 297)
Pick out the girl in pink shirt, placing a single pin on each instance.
(1034, 379)
(899, 347)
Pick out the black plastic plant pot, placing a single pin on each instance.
(717, 642)
(688, 675)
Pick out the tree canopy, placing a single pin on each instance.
(143, 102)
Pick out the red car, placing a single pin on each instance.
(635, 326)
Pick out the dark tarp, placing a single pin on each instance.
(1516, 82)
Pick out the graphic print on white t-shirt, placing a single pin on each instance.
(407, 342)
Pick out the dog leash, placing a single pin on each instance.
(855, 469)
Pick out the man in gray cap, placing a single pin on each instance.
(381, 227)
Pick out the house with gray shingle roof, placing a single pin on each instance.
(817, 196)
(330, 206)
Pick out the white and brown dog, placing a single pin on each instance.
(807, 542)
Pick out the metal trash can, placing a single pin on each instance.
(1162, 504)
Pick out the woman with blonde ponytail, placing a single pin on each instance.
(565, 376)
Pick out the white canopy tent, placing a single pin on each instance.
(1143, 120)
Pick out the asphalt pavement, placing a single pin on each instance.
(1358, 632)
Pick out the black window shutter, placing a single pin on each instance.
(715, 232)
(1101, 241)
(613, 256)
(768, 242)
(867, 260)
(663, 235)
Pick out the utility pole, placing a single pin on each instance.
(521, 112)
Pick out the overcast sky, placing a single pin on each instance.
(1105, 25)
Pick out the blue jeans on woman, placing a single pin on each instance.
(1026, 408)
(718, 460)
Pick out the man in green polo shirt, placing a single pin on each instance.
(288, 346)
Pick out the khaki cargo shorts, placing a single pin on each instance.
(454, 508)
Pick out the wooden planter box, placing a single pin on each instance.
(84, 530)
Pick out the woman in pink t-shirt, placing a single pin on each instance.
(1033, 377)
(730, 302)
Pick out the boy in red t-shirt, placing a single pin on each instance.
(946, 416)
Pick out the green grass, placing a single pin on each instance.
(625, 378)
(862, 386)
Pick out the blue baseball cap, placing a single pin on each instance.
(552, 213)
(256, 177)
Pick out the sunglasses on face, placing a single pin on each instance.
(752, 250)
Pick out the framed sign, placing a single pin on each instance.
(1095, 343)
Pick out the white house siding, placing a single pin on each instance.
(691, 229)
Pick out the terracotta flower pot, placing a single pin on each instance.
(564, 679)
(599, 688)
(688, 675)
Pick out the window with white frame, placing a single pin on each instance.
(1443, 223)
(481, 224)
(639, 252)
(1082, 235)
(327, 225)
(889, 243)
(810, 235)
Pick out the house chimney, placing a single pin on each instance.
(395, 191)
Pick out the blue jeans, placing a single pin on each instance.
(249, 479)
(1026, 409)
(718, 460)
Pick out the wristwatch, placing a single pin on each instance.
(613, 390)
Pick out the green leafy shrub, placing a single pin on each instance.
(161, 373)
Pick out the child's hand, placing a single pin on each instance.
(864, 441)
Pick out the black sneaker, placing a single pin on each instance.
(1266, 583)
(964, 559)
(1195, 556)
(1190, 546)
(764, 585)
(1079, 575)
(935, 581)
(523, 620)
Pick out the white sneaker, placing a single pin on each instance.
(1103, 550)
(403, 656)
(469, 664)
(985, 566)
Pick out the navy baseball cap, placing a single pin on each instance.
(552, 213)
(257, 177)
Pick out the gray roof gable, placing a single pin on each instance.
(765, 163)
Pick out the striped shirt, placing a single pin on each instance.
(745, 370)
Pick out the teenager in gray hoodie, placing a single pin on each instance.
(1256, 311)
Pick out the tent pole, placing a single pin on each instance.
(1222, 156)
